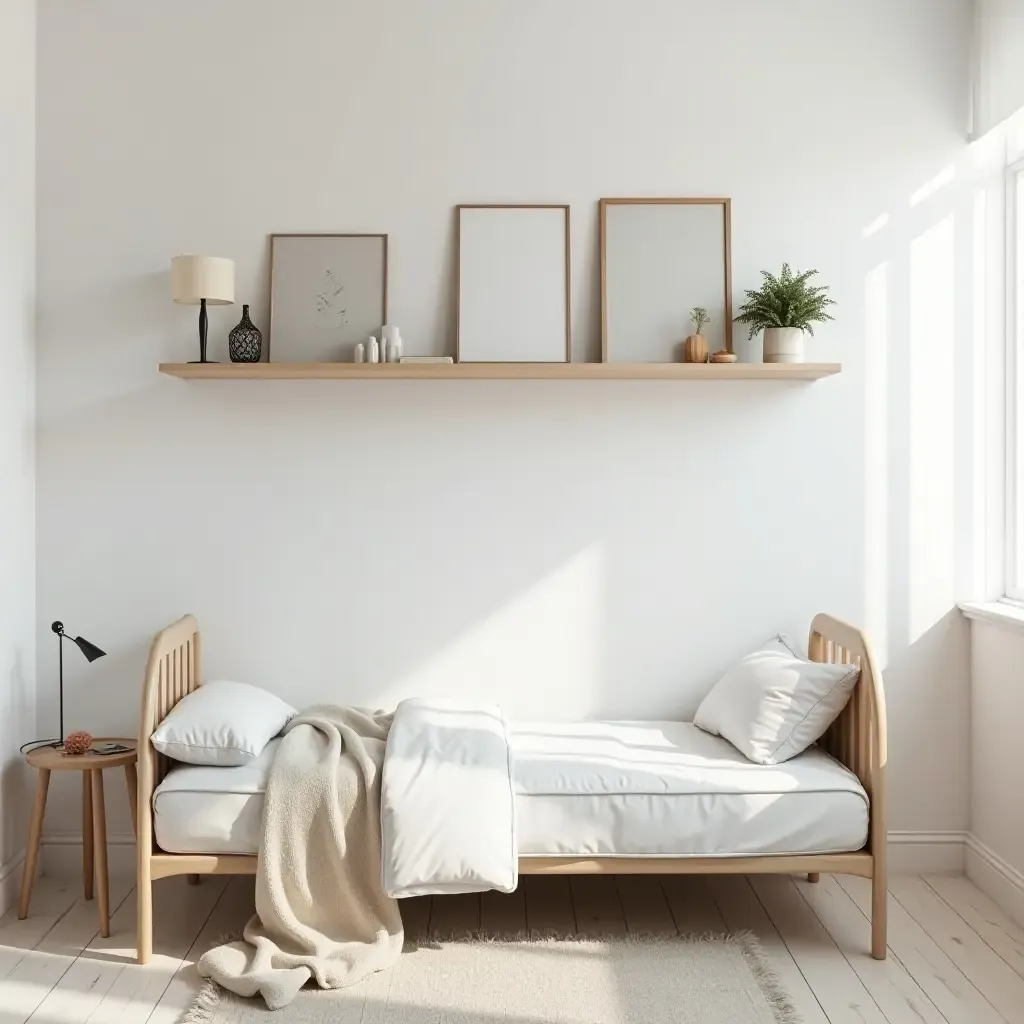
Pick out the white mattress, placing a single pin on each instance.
(197, 809)
(625, 789)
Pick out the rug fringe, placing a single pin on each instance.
(767, 978)
(202, 1010)
(560, 935)
(205, 1004)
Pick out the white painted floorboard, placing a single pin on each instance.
(955, 957)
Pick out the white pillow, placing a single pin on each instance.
(222, 724)
(773, 704)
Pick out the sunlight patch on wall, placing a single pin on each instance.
(934, 185)
(875, 226)
(539, 655)
(932, 583)
(876, 458)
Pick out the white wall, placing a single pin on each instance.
(17, 428)
(999, 71)
(997, 763)
(566, 549)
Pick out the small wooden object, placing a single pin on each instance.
(695, 349)
(94, 822)
(724, 357)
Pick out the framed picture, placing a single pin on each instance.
(660, 258)
(513, 284)
(327, 294)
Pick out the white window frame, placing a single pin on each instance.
(1014, 580)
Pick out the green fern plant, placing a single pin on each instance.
(700, 318)
(786, 301)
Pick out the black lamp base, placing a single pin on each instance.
(203, 331)
(198, 362)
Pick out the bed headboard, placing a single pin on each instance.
(857, 738)
(173, 671)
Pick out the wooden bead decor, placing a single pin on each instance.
(78, 742)
(695, 349)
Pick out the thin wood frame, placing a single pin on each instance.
(322, 234)
(568, 265)
(722, 201)
(857, 739)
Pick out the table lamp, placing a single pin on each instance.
(198, 280)
(91, 652)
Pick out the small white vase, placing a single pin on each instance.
(783, 345)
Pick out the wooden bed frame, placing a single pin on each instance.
(857, 739)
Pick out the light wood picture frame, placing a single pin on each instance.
(328, 293)
(513, 283)
(659, 259)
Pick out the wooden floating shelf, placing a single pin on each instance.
(500, 371)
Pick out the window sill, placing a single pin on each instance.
(998, 613)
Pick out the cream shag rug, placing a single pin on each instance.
(714, 979)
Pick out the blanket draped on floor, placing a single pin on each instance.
(321, 911)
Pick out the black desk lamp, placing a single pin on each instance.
(91, 652)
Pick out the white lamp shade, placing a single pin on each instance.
(194, 278)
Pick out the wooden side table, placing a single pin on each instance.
(94, 818)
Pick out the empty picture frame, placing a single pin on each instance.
(327, 294)
(513, 281)
(660, 258)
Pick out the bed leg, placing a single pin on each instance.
(879, 912)
(194, 879)
(144, 921)
(813, 876)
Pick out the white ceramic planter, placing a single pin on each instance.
(783, 345)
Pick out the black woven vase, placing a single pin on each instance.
(245, 342)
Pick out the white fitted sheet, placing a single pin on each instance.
(667, 789)
(202, 809)
(625, 789)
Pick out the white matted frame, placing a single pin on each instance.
(328, 292)
(513, 283)
(856, 739)
(660, 258)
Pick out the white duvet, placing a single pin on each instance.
(448, 800)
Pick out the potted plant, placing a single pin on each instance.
(784, 307)
(695, 348)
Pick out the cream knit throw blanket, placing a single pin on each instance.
(321, 912)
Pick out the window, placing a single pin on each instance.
(1015, 377)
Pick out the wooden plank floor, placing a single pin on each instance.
(955, 957)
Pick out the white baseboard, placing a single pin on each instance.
(910, 853)
(10, 881)
(927, 853)
(997, 879)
